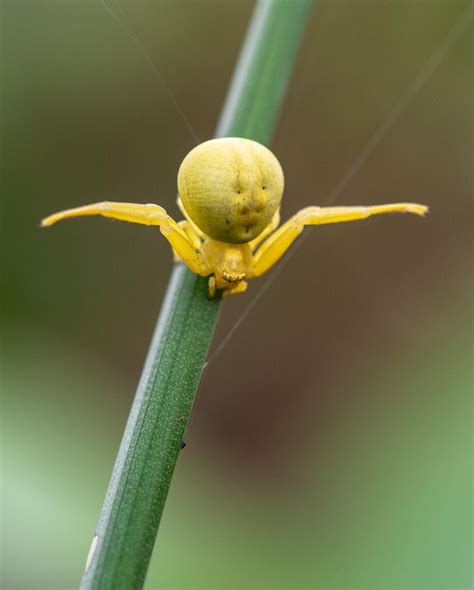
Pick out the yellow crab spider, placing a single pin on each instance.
(230, 191)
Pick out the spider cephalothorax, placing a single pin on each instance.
(230, 191)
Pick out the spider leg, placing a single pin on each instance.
(274, 223)
(211, 287)
(191, 233)
(278, 243)
(149, 214)
(239, 287)
(195, 228)
(192, 236)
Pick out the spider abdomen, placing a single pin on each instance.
(231, 188)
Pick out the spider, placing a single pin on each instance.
(229, 192)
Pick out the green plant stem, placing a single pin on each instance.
(140, 481)
(262, 74)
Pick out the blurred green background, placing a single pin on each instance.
(330, 446)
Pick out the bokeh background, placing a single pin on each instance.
(330, 446)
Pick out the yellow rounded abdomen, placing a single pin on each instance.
(231, 188)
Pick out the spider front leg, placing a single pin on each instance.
(278, 243)
(149, 214)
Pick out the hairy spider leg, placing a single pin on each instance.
(149, 214)
(278, 243)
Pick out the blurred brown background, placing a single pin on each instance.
(330, 446)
